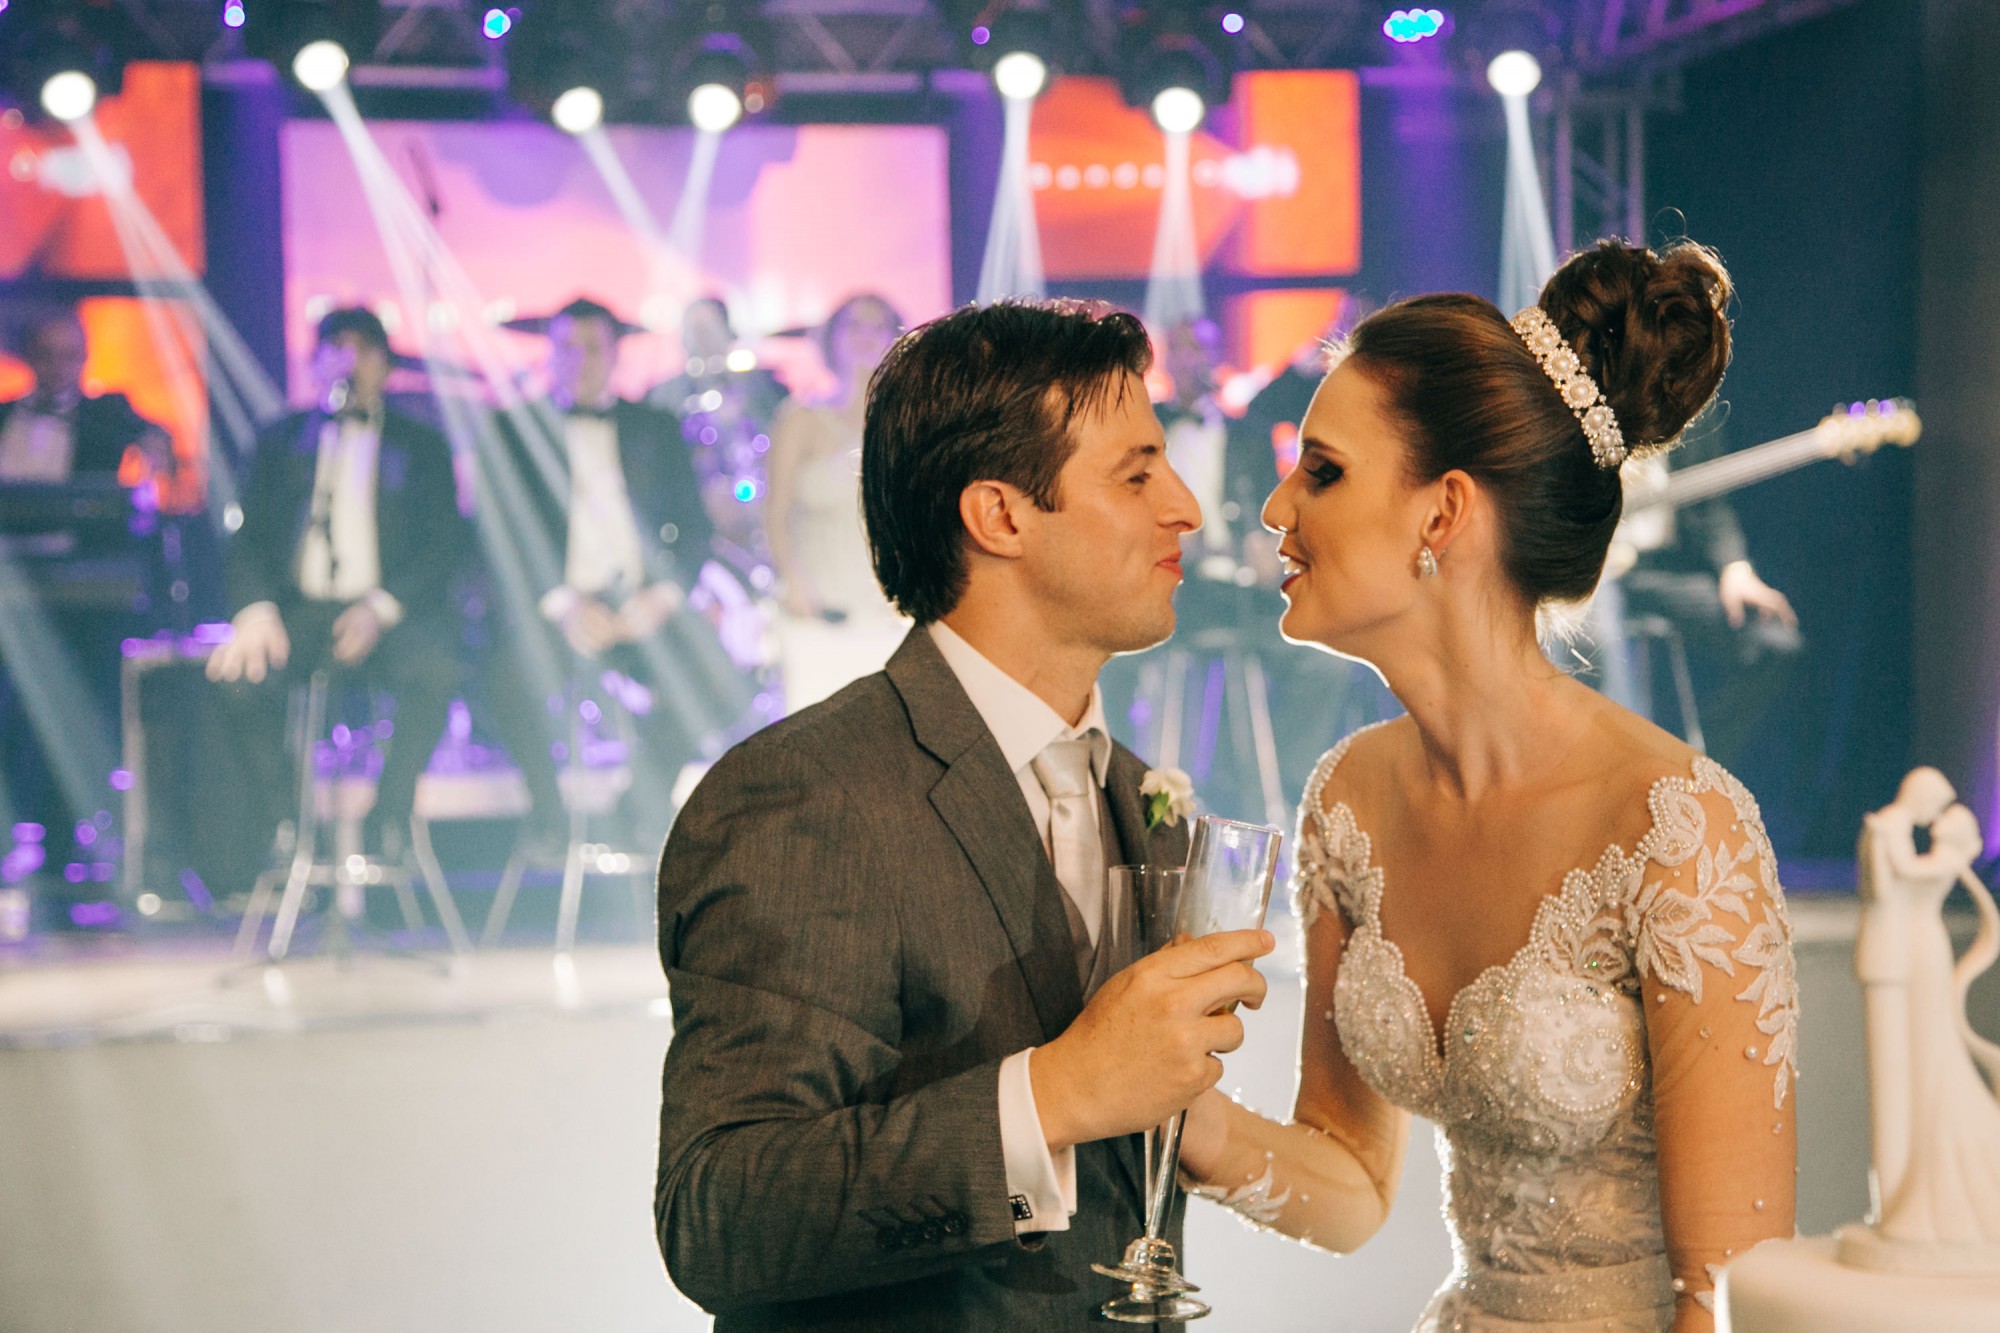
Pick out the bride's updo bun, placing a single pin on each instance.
(1649, 328)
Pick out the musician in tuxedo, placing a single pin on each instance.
(915, 1041)
(592, 501)
(59, 434)
(58, 431)
(350, 542)
(1692, 567)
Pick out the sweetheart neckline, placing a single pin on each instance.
(1437, 1035)
(1693, 782)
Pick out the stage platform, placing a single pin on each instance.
(388, 1143)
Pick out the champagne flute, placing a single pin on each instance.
(1226, 886)
(1155, 890)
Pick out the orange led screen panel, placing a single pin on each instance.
(54, 222)
(1275, 177)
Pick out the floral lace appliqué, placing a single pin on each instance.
(1673, 932)
(1252, 1200)
(1539, 1082)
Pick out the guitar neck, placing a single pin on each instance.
(1705, 481)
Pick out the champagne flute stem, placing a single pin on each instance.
(1163, 1182)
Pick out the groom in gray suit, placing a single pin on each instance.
(915, 1038)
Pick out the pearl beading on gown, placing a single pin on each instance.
(1542, 1089)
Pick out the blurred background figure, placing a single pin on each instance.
(80, 565)
(59, 431)
(1197, 444)
(1263, 442)
(1690, 568)
(1318, 696)
(725, 403)
(600, 503)
(350, 542)
(835, 626)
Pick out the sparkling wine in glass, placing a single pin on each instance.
(1226, 886)
(1155, 891)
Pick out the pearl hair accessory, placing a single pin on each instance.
(1579, 391)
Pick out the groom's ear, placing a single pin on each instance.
(989, 509)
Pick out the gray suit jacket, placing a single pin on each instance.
(858, 924)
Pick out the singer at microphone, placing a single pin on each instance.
(351, 538)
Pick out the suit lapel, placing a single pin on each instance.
(1166, 845)
(304, 481)
(980, 802)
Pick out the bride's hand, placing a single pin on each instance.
(1205, 1134)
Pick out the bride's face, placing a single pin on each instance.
(1349, 521)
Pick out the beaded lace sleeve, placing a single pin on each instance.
(1328, 872)
(1327, 1175)
(1712, 949)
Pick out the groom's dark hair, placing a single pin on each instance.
(986, 393)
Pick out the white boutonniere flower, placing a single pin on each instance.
(1169, 794)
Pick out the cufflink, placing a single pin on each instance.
(1023, 1210)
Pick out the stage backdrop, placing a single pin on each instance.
(796, 220)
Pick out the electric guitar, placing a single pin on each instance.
(1652, 493)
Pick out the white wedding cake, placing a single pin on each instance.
(1799, 1286)
(1928, 1258)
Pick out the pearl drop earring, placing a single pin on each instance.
(1427, 562)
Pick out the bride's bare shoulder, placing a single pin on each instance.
(1630, 756)
(1363, 760)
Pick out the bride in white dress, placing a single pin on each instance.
(1532, 918)
(834, 624)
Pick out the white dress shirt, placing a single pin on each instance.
(340, 559)
(36, 446)
(1041, 1184)
(604, 550)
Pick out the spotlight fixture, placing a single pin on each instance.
(714, 107)
(60, 60)
(1515, 34)
(1514, 73)
(1177, 74)
(1019, 51)
(717, 78)
(721, 83)
(1178, 109)
(320, 65)
(1020, 75)
(69, 94)
(578, 111)
(562, 60)
(315, 39)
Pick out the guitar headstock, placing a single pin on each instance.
(1854, 429)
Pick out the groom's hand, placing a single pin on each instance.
(1145, 1045)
